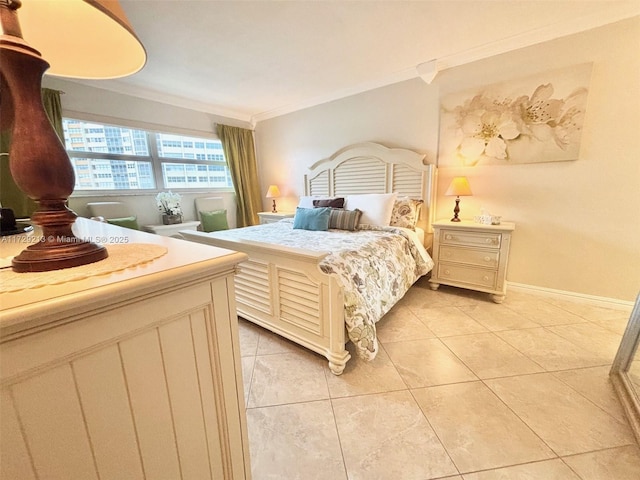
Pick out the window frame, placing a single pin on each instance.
(153, 157)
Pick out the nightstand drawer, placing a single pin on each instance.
(470, 275)
(481, 258)
(485, 239)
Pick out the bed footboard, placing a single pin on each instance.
(283, 290)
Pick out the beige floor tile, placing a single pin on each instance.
(549, 350)
(564, 419)
(595, 384)
(621, 463)
(287, 378)
(447, 321)
(590, 312)
(496, 317)
(600, 341)
(421, 296)
(249, 336)
(247, 374)
(295, 442)
(543, 313)
(477, 429)
(385, 436)
(361, 377)
(271, 343)
(488, 356)
(616, 325)
(401, 324)
(423, 363)
(545, 470)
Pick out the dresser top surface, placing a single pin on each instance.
(467, 224)
(183, 262)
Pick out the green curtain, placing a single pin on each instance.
(239, 151)
(10, 195)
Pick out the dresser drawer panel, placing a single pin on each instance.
(485, 239)
(481, 258)
(469, 275)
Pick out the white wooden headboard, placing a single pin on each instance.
(373, 168)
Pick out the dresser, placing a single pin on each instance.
(471, 255)
(133, 374)
(270, 217)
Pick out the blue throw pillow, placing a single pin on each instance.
(312, 218)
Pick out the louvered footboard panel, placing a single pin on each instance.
(300, 301)
(252, 286)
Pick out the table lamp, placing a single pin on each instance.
(273, 192)
(460, 188)
(88, 39)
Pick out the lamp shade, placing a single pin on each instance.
(459, 187)
(273, 192)
(89, 39)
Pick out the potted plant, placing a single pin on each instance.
(169, 204)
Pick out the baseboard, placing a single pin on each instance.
(605, 302)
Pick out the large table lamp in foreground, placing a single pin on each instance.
(459, 187)
(81, 39)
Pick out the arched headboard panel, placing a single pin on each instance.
(373, 168)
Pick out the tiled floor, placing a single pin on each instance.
(462, 389)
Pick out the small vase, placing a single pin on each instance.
(171, 219)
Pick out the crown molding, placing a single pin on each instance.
(611, 14)
(337, 95)
(526, 39)
(174, 100)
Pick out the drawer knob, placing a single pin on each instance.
(448, 236)
(447, 272)
(447, 254)
(485, 278)
(489, 240)
(487, 259)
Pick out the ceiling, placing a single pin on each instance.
(253, 60)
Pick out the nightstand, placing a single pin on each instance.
(471, 255)
(171, 230)
(270, 217)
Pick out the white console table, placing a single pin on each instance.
(128, 375)
(171, 230)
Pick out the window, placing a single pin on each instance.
(110, 157)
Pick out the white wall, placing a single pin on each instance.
(578, 222)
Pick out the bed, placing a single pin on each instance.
(301, 293)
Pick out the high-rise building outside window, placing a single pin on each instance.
(117, 158)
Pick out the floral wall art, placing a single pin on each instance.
(530, 120)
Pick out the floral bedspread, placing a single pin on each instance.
(375, 266)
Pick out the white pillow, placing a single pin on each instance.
(376, 207)
(306, 202)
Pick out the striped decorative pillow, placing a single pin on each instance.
(344, 219)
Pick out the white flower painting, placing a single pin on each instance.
(537, 119)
